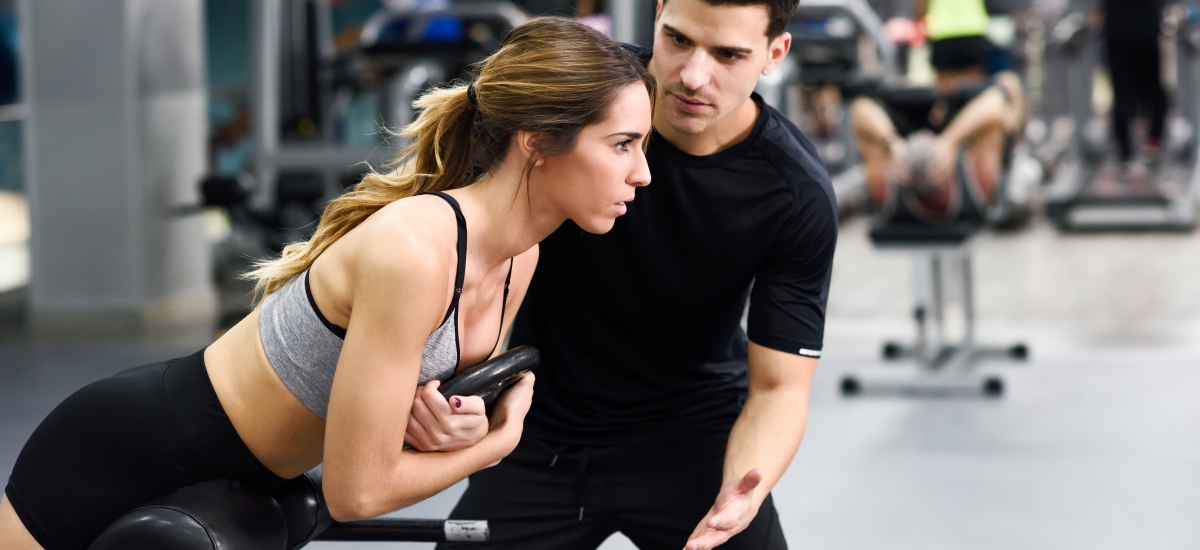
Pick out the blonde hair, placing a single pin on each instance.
(551, 76)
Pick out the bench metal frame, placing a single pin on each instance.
(945, 368)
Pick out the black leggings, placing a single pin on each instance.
(1137, 84)
(120, 442)
(555, 497)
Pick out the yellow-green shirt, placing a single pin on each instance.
(954, 18)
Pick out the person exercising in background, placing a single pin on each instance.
(1131, 32)
(654, 415)
(942, 160)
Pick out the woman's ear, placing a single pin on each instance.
(527, 143)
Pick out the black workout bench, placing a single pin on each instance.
(229, 515)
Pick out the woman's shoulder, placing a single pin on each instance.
(414, 235)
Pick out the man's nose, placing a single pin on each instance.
(695, 73)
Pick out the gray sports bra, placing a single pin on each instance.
(303, 346)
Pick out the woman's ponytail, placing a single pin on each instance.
(551, 77)
(436, 159)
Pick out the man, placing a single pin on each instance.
(957, 139)
(654, 416)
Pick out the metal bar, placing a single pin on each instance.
(407, 530)
(939, 317)
(415, 530)
(624, 20)
(265, 19)
(968, 304)
(920, 311)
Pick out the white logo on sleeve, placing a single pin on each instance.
(810, 352)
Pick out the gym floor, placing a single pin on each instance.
(1093, 446)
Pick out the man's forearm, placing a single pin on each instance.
(768, 432)
(766, 435)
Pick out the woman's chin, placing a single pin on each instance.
(597, 225)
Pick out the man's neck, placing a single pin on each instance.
(725, 133)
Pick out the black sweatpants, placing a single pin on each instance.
(567, 497)
(1137, 86)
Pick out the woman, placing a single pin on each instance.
(388, 294)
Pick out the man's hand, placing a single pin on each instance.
(440, 424)
(729, 515)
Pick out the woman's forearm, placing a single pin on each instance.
(419, 475)
(413, 477)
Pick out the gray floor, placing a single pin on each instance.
(1095, 444)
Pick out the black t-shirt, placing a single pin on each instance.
(639, 328)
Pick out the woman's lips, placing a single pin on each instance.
(687, 105)
(621, 208)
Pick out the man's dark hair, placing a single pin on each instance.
(780, 12)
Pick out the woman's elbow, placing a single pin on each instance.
(348, 507)
(345, 508)
(349, 501)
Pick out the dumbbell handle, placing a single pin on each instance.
(410, 530)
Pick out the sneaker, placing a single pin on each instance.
(1153, 154)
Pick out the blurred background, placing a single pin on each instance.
(150, 150)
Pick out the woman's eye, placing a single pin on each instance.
(624, 145)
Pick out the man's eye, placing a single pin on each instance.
(678, 39)
(731, 56)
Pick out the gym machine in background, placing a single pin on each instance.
(1089, 194)
(415, 50)
(324, 114)
(304, 93)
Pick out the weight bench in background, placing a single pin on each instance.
(945, 368)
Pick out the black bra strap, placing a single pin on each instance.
(462, 267)
(503, 305)
(461, 247)
(336, 330)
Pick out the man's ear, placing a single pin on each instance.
(776, 51)
(658, 11)
(527, 144)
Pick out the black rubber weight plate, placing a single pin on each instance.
(491, 377)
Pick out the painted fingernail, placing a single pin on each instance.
(457, 403)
